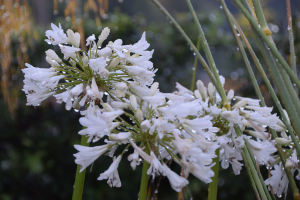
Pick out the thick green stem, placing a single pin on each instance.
(270, 44)
(195, 67)
(291, 39)
(80, 176)
(252, 167)
(261, 19)
(213, 186)
(208, 54)
(144, 179)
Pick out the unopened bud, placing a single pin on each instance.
(74, 38)
(53, 55)
(202, 89)
(211, 90)
(230, 95)
(107, 107)
(139, 115)
(104, 34)
(85, 61)
(283, 141)
(239, 104)
(121, 137)
(153, 88)
(114, 63)
(133, 102)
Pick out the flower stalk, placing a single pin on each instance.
(80, 176)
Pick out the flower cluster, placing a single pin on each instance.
(124, 108)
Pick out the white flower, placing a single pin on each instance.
(74, 38)
(112, 174)
(142, 61)
(155, 165)
(39, 83)
(278, 181)
(262, 150)
(90, 40)
(98, 65)
(104, 34)
(105, 53)
(53, 55)
(121, 137)
(135, 159)
(140, 46)
(177, 182)
(87, 155)
(161, 126)
(56, 36)
(66, 97)
(68, 51)
(204, 173)
(140, 74)
(251, 102)
(201, 125)
(202, 89)
(100, 125)
(93, 91)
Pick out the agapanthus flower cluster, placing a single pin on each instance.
(122, 106)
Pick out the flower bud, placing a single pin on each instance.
(52, 62)
(114, 63)
(289, 164)
(202, 89)
(153, 88)
(283, 141)
(211, 90)
(133, 102)
(139, 115)
(104, 34)
(74, 38)
(85, 61)
(230, 95)
(50, 53)
(239, 104)
(107, 107)
(145, 125)
(121, 137)
(197, 94)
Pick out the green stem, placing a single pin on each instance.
(201, 59)
(270, 44)
(195, 67)
(80, 176)
(144, 180)
(261, 19)
(213, 186)
(291, 39)
(208, 54)
(252, 167)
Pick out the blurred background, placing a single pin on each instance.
(36, 143)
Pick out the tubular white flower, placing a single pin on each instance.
(98, 65)
(68, 51)
(56, 36)
(90, 40)
(121, 137)
(53, 55)
(202, 89)
(74, 38)
(104, 34)
(100, 125)
(87, 155)
(177, 182)
(112, 174)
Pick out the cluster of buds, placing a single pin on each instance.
(121, 105)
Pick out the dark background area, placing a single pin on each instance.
(36, 143)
